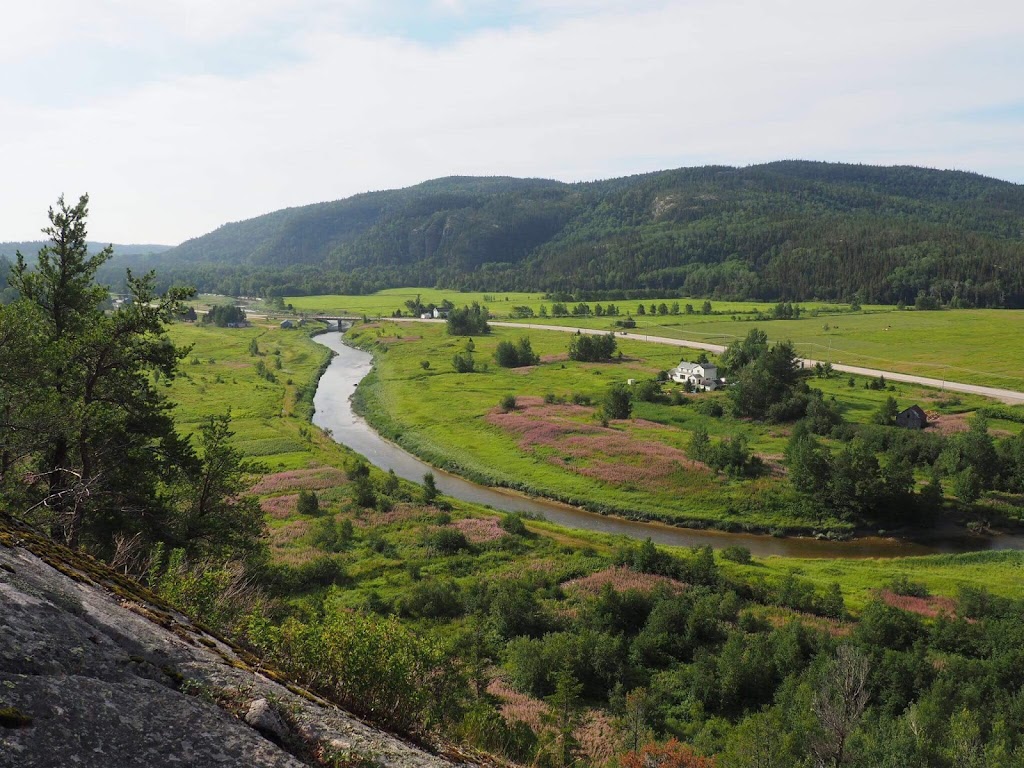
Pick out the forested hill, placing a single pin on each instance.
(787, 230)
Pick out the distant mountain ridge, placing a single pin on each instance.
(31, 247)
(786, 230)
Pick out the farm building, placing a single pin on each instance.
(287, 324)
(912, 418)
(700, 375)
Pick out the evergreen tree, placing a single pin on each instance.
(103, 438)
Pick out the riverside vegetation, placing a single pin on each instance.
(442, 620)
(760, 455)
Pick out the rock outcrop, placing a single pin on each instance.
(95, 671)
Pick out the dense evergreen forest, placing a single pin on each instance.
(782, 231)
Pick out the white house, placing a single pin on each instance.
(700, 375)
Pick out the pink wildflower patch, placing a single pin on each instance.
(287, 534)
(623, 579)
(518, 707)
(314, 479)
(614, 456)
(929, 607)
(399, 513)
(779, 617)
(597, 736)
(280, 507)
(479, 530)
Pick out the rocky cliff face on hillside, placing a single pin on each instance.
(95, 671)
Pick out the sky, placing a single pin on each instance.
(179, 116)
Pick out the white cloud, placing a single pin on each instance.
(601, 90)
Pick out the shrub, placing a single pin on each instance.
(736, 554)
(508, 403)
(513, 524)
(468, 321)
(331, 536)
(308, 503)
(432, 599)
(509, 355)
(902, 585)
(372, 666)
(463, 362)
(649, 391)
(710, 407)
(590, 348)
(617, 402)
(447, 541)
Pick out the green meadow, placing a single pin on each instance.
(974, 346)
(272, 427)
(978, 346)
(548, 446)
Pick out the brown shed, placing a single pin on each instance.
(912, 418)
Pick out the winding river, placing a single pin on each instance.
(334, 412)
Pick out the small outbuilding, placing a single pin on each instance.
(912, 418)
(287, 324)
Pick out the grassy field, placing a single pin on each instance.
(272, 427)
(637, 467)
(974, 346)
(977, 346)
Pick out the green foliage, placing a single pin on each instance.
(363, 493)
(468, 321)
(513, 524)
(447, 541)
(617, 402)
(887, 412)
(429, 488)
(375, 667)
(736, 554)
(223, 315)
(214, 513)
(431, 599)
(519, 354)
(590, 348)
(86, 437)
(308, 503)
(766, 379)
(331, 536)
(648, 391)
(508, 403)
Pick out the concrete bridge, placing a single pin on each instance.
(336, 318)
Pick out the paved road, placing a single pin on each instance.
(1008, 396)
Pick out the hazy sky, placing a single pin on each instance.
(181, 115)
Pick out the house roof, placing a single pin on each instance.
(916, 409)
(688, 367)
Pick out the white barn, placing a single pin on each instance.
(700, 375)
